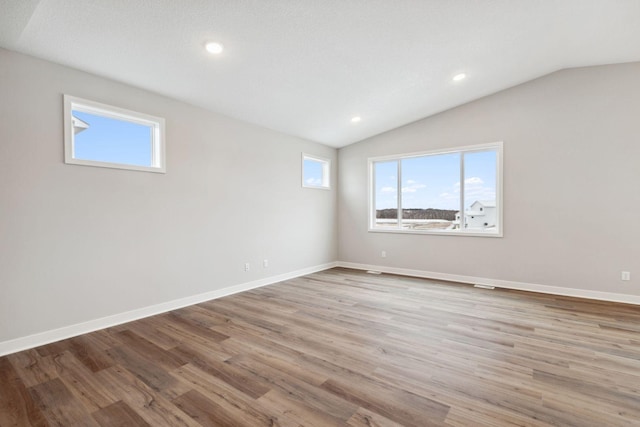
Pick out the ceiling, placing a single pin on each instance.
(306, 67)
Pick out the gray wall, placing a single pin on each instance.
(78, 243)
(571, 177)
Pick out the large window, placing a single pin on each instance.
(456, 191)
(101, 135)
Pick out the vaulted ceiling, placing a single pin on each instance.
(307, 67)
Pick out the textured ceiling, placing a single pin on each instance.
(305, 67)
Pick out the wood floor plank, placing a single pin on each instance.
(81, 382)
(147, 330)
(84, 351)
(239, 379)
(231, 405)
(210, 413)
(33, 368)
(150, 405)
(343, 348)
(152, 375)
(296, 389)
(297, 413)
(17, 407)
(365, 418)
(59, 406)
(119, 414)
(157, 355)
(401, 406)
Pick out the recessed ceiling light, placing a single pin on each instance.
(355, 119)
(214, 48)
(459, 77)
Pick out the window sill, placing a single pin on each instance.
(436, 233)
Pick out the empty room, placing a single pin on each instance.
(319, 213)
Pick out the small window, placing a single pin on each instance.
(315, 172)
(105, 136)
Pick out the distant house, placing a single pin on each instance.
(480, 215)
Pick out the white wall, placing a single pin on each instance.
(571, 178)
(79, 243)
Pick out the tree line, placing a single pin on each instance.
(411, 213)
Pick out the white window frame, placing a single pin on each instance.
(72, 103)
(326, 171)
(498, 146)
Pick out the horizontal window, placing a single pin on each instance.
(315, 172)
(106, 136)
(454, 191)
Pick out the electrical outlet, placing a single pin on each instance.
(626, 275)
(383, 254)
(265, 263)
(247, 266)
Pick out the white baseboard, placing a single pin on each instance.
(42, 338)
(506, 284)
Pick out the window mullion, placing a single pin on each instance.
(463, 218)
(373, 213)
(399, 192)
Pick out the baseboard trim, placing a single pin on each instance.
(506, 284)
(47, 337)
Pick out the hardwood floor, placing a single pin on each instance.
(342, 348)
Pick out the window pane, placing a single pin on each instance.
(315, 172)
(312, 172)
(430, 192)
(435, 195)
(386, 193)
(110, 140)
(480, 210)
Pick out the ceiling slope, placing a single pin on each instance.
(307, 67)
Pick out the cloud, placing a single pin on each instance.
(314, 181)
(388, 190)
(483, 193)
(410, 181)
(413, 187)
(450, 196)
(474, 189)
(474, 180)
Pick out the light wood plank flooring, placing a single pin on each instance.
(342, 348)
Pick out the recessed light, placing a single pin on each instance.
(214, 48)
(355, 119)
(459, 77)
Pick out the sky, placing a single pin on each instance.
(312, 172)
(111, 140)
(434, 181)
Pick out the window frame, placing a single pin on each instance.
(157, 124)
(326, 171)
(498, 146)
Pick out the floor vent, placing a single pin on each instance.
(374, 272)
(480, 285)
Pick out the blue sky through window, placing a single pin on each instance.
(112, 140)
(386, 185)
(434, 181)
(480, 170)
(313, 172)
